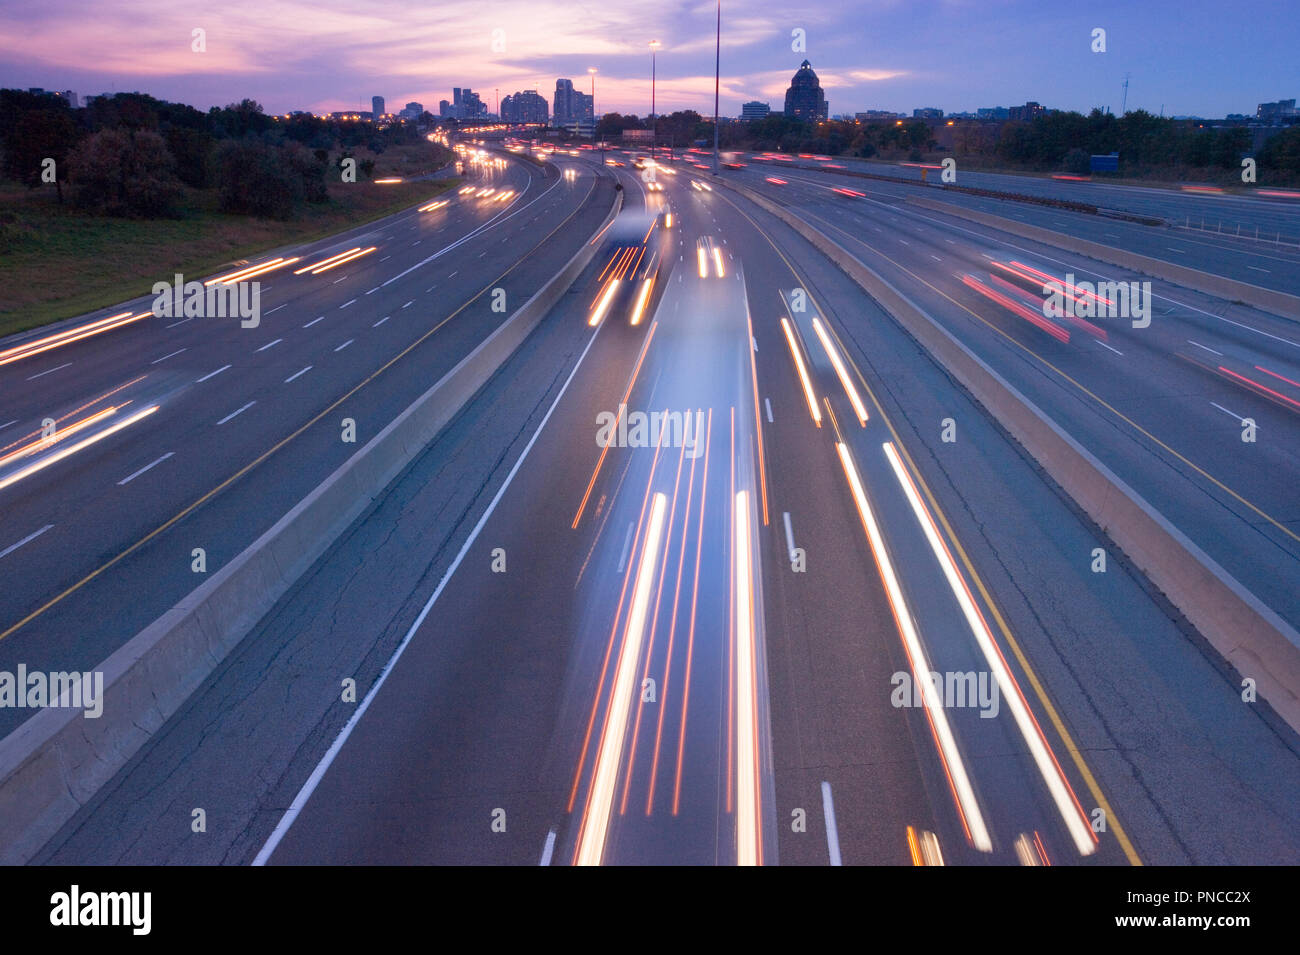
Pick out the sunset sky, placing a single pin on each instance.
(1204, 58)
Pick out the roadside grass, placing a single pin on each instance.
(57, 262)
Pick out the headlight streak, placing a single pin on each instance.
(326, 261)
(803, 373)
(349, 257)
(60, 434)
(1062, 795)
(858, 407)
(603, 305)
(717, 260)
(749, 850)
(923, 847)
(600, 801)
(73, 449)
(964, 794)
(638, 310)
(68, 336)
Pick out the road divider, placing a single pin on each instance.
(1262, 646)
(1278, 303)
(52, 764)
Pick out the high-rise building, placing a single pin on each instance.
(412, 111)
(1282, 110)
(805, 99)
(584, 107)
(754, 110)
(526, 107)
(377, 106)
(1029, 111)
(563, 102)
(444, 109)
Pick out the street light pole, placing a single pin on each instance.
(592, 71)
(717, 78)
(654, 117)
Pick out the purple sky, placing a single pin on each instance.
(1197, 57)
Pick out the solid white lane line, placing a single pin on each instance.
(240, 411)
(304, 794)
(132, 477)
(345, 344)
(30, 537)
(298, 373)
(1206, 347)
(276, 342)
(1104, 345)
(50, 372)
(211, 374)
(1226, 411)
(832, 831)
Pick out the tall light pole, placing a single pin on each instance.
(654, 117)
(592, 71)
(717, 78)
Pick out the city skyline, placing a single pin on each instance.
(936, 55)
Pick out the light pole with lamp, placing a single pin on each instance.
(717, 74)
(654, 117)
(592, 71)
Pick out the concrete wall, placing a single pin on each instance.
(57, 760)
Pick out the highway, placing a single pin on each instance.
(1268, 221)
(710, 645)
(248, 420)
(1161, 405)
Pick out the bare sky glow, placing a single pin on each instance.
(1203, 58)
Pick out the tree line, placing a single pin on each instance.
(133, 155)
(1056, 141)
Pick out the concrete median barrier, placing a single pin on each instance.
(1255, 640)
(1278, 303)
(57, 760)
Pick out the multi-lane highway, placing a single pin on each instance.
(670, 588)
(248, 419)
